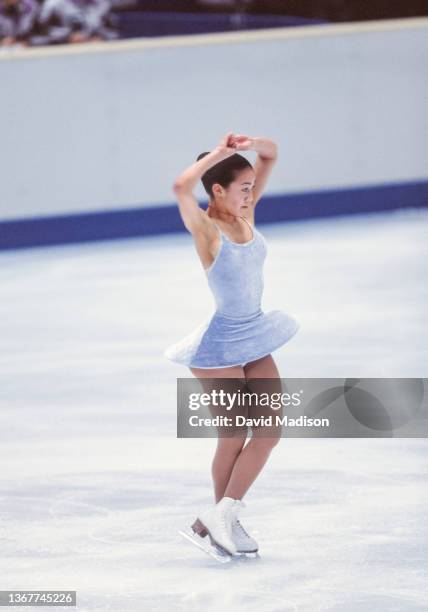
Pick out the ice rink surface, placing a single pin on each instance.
(94, 483)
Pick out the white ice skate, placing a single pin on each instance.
(244, 543)
(216, 523)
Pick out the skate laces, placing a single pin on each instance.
(241, 529)
(225, 516)
(236, 523)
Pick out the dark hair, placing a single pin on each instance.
(224, 172)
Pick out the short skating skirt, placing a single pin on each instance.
(224, 341)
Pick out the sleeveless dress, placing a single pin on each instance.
(239, 331)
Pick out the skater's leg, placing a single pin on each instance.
(255, 454)
(262, 368)
(228, 447)
(225, 456)
(248, 466)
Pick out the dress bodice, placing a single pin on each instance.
(236, 275)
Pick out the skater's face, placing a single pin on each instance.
(237, 198)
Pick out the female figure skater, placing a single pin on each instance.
(238, 340)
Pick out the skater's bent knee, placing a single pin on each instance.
(231, 445)
(265, 442)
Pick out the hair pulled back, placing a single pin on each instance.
(224, 172)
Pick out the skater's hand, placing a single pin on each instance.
(242, 142)
(227, 146)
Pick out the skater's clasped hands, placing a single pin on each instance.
(231, 143)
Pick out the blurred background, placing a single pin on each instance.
(39, 22)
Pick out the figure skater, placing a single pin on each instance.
(237, 342)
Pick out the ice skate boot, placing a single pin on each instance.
(216, 523)
(243, 541)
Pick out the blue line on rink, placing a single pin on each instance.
(144, 221)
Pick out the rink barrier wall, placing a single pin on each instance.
(105, 126)
(158, 220)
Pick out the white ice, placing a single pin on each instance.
(94, 483)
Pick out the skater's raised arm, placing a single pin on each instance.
(266, 159)
(193, 216)
(267, 154)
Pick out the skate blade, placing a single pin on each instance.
(210, 549)
(248, 555)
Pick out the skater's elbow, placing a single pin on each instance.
(177, 185)
(181, 185)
